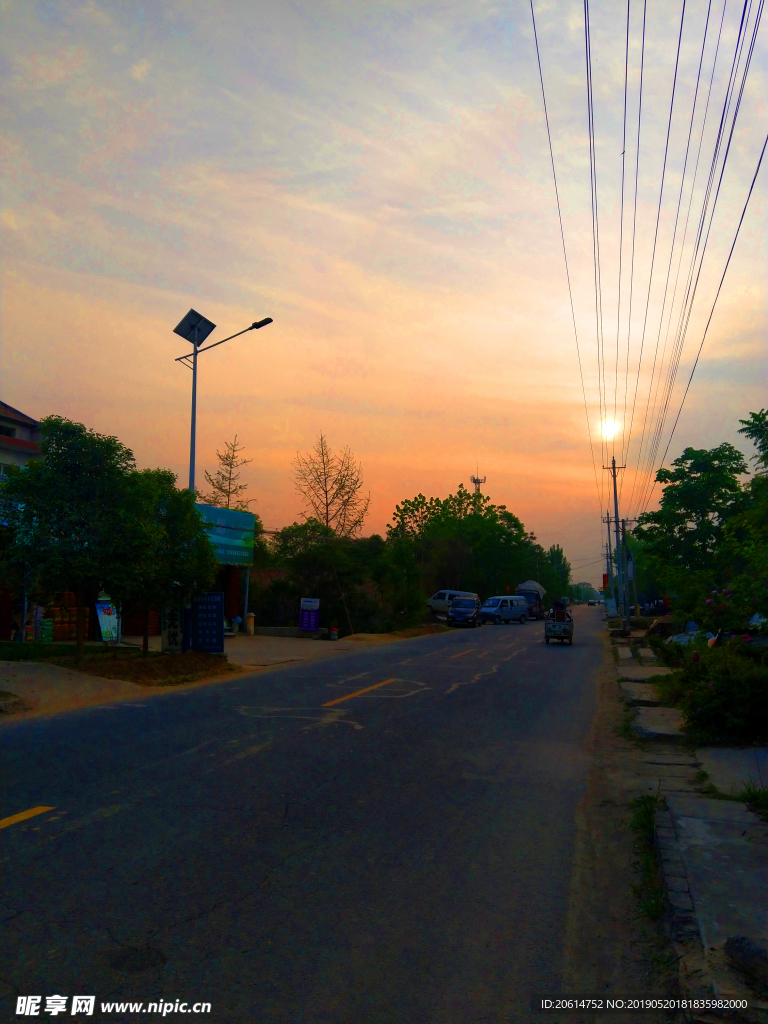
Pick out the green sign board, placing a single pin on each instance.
(230, 532)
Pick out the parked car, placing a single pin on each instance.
(441, 601)
(590, 602)
(464, 610)
(507, 608)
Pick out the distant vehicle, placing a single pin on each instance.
(507, 608)
(559, 624)
(464, 610)
(533, 593)
(441, 601)
(591, 601)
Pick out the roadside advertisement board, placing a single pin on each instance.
(107, 615)
(230, 532)
(309, 614)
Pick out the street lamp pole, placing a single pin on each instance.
(193, 429)
(195, 328)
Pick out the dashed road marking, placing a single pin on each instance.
(461, 654)
(24, 815)
(357, 693)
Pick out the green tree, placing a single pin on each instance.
(701, 492)
(166, 548)
(66, 510)
(755, 427)
(561, 565)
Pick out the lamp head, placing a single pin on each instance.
(261, 323)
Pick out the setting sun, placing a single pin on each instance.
(610, 429)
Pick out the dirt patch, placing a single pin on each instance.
(11, 703)
(612, 948)
(427, 629)
(156, 669)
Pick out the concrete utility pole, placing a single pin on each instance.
(609, 551)
(627, 604)
(613, 469)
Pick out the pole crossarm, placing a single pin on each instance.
(253, 327)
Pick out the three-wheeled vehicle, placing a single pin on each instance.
(558, 624)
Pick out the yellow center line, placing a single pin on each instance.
(358, 692)
(462, 653)
(23, 815)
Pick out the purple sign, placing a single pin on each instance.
(309, 615)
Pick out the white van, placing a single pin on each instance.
(506, 608)
(441, 601)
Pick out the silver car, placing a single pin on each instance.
(507, 608)
(441, 601)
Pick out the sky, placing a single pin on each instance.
(375, 176)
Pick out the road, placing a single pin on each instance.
(381, 838)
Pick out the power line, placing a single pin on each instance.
(634, 235)
(595, 229)
(656, 230)
(717, 294)
(687, 311)
(672, 246)
(621, 226)
(565, 252)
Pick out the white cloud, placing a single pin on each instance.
(139, 71)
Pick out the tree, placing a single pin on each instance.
(755, 427)
(331, 485)
(560, 564)
(702, 491)
(173, 558)
(67, 510)
(226, 492)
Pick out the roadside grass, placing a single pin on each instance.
(624, 728)
(648, 890)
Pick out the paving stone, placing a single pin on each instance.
(730, 768)
(677, 884)
(680, 900)
(625, 654)
(648, 656)
(641, 673)
(665, 833)
(641, 694)
(724, 858)
(673, 868)
(658, 723)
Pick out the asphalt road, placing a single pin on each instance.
(289, 852)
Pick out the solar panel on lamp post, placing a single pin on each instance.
(195, 328)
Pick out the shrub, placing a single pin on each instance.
(725, 695)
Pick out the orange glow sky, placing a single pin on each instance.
(375, 177)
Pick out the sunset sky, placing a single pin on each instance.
(375, 176)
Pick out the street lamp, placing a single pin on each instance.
(195, 328)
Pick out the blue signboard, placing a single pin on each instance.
(207, 623)
(309, 614)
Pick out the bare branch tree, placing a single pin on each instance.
(226, 492)
(330, 484)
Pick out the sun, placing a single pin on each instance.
(610, 429)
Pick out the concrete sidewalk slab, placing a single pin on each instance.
(625, 653)
(658, 723)
(648, 655)
(724, 849)
(729, 768)
(641, 694)
(640, 673)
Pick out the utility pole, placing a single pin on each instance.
(609, 556)
(613, 469)
(627, 604)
